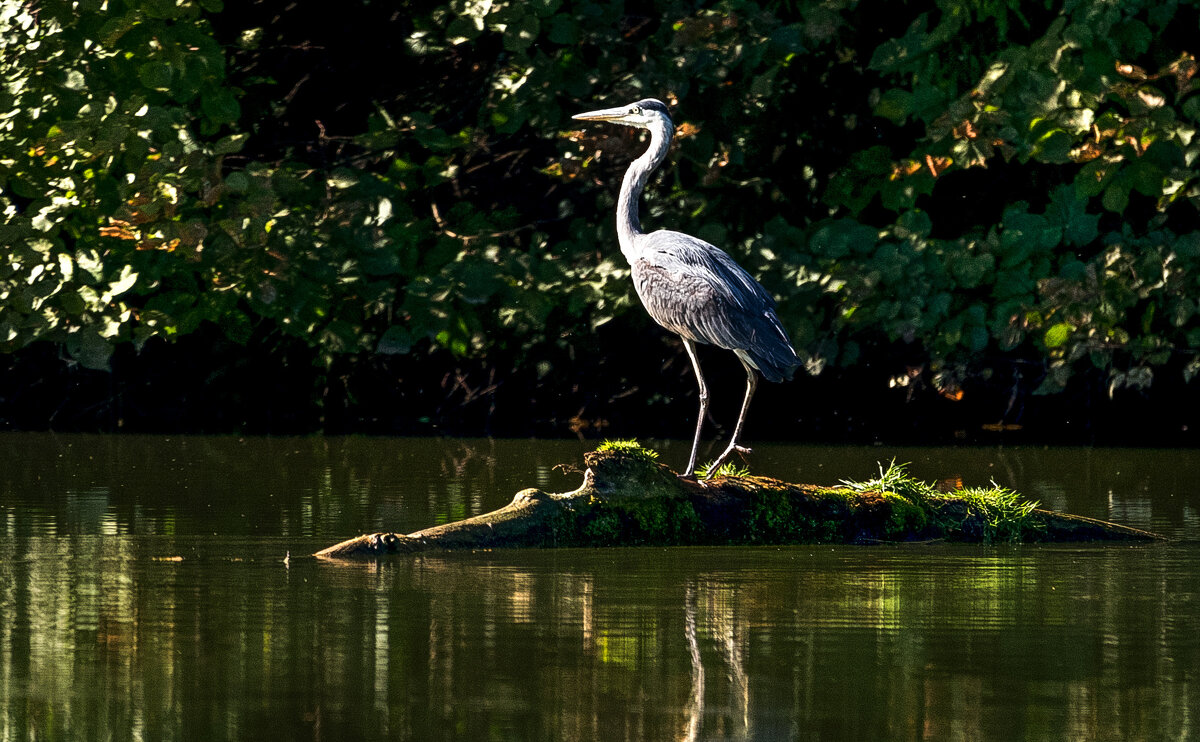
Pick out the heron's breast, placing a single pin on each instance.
(673, 299)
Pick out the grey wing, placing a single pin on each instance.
(696, 290)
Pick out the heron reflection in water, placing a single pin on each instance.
(692, 288)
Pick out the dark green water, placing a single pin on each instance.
(143, 595)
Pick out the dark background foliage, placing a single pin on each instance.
(980, 217)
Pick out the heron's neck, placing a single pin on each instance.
(628, 224)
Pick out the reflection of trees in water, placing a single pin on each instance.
(301, 487)
(623, 644)
(885, 654)
(888, 643)
(694, 710)
(289, 487)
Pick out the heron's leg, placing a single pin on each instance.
(751, 385)
(691, 350)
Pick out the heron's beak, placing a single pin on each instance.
(605, 114)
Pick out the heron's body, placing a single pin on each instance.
(691, 287)
(697, 291)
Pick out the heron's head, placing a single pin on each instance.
(645, 114)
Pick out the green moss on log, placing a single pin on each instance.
(629, 448)
(629, 499)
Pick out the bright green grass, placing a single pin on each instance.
(1007, 513)
(629, 447)
(728, 469)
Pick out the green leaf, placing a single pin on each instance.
(519, 35)
(1025, 233)
(396, 340)
(546, 8)
(126, 281)
(91, 350)
(1054, 147)
(1191, 108)
(977, 339)
(1079, 227)
(75, 80)
(71, 303)
(24, 188)
(928, 102)
(896, 104)
(1146, 177)
(788, 41)
(835, 239)
(564, 29)
(221, 106)
(1093, 177)
(1116, 196)
(1134, 36)
(114, 28)
(1058, 334)
(463, 29)
(1056, 379)
(380, 261)
(342, 178)
(108, 193)
(339, 336)
(914, 223)
(237, 181)
(161, 9)
(1073, 269)
(155, 75)
(230, 144)
(895, 55)
(479, 282)
(89, 261)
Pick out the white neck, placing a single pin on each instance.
(628, 224)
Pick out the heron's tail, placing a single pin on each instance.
(771, 352)
(776, 367)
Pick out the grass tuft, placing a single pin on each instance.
(895, 479)
(1006, 515)
(728, 469)
(628, 447)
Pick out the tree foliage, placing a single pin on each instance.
(983, 182)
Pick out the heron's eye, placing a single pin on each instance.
(636, 110)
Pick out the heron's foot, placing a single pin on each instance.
(714, 466)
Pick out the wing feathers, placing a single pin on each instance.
(696, 290)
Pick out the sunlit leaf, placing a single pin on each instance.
(1057, 335)
(125, 282)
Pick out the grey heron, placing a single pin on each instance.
(692, 288)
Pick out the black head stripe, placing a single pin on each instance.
(653, 104)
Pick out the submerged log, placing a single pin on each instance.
(629, 499)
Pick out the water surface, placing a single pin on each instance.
(144, 595)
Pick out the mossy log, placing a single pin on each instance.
(628, 499)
